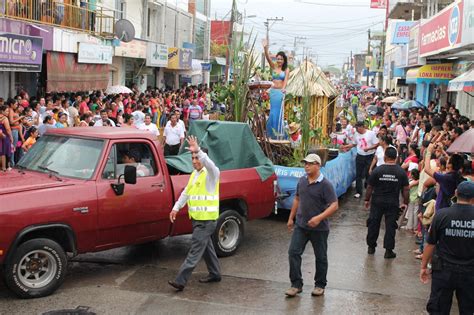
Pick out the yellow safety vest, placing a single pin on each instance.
(202, 205)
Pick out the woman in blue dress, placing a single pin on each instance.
(280, 73)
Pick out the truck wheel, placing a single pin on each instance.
(36, 269)
(229, 233)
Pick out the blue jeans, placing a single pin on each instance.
(299, 239)
(354, 111)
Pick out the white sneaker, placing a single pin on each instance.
(357, 196)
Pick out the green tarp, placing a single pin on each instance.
(231, 146)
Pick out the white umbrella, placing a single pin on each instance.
(118, 89)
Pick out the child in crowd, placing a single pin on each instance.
(31, 139)
(412, 210)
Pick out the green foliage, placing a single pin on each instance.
(243, 64)
(218, 50)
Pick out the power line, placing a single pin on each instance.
(333, 4)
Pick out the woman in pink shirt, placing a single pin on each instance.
(402, 134)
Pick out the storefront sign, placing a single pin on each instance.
(134, 49)
(413, 45)
(443, 31)
(468, 23)
(20, 53)
(185, 59)
(180, 58)
(433, 73)
(206, 66)
(378, 4)
(401, 33)
(461, 67)
(28, 29)
(156, 55)
(173, 58)
(94, 54)
(401, 56)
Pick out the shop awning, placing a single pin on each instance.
(464, 82)
(431, 74)
(64, 74)
(196, 69)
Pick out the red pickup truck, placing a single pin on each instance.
(72, 193)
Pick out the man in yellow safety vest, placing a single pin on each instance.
(202, 196)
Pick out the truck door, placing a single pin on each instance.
(141, 213)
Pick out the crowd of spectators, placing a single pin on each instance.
(422, 136)
(164, 113)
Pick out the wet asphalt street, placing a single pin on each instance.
(133, 280)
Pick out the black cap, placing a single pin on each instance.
(466, 190)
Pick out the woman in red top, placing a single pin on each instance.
(413, 157)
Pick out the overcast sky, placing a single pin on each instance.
(332, 29)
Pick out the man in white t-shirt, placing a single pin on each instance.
(366, 142)
(149, 126)
(103, 117)
(180, 122)
(174, 136)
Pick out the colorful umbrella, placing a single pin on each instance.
(404, 104)
(464, 143)
(401, 105)
(390, 99)
(118, 89)
(372, 90)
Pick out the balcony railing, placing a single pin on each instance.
(88, 18)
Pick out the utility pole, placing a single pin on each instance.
(267, 25)
(230, 43)
(298, 40)
(368, 55)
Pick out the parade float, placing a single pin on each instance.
(309, 113)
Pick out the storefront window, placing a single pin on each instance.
(200, 38)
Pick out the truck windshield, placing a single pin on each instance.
(63, 156)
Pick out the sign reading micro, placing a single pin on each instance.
(443, 31)
(20, 53)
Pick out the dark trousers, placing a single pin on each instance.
(171, 149)
(362, 170)
(201, 247)
(319, 240)
(377, 210)
(443, 284)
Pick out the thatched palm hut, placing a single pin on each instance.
(309, 79)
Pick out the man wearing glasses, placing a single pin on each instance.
(314, 203)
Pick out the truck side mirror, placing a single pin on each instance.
(130, 177)
(130, 174)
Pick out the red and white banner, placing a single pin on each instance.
(443, 31)
(378, 4)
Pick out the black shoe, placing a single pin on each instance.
(371, 250)
(209, 279)
(389, 254)
(178, 287)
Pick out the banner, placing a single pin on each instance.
(378, 4)
(340, 172)
(20, 53)
(401, 33)
(443, 31)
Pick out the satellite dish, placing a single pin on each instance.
(124, 30)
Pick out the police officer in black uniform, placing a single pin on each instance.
(383, 193)
(450, 249)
